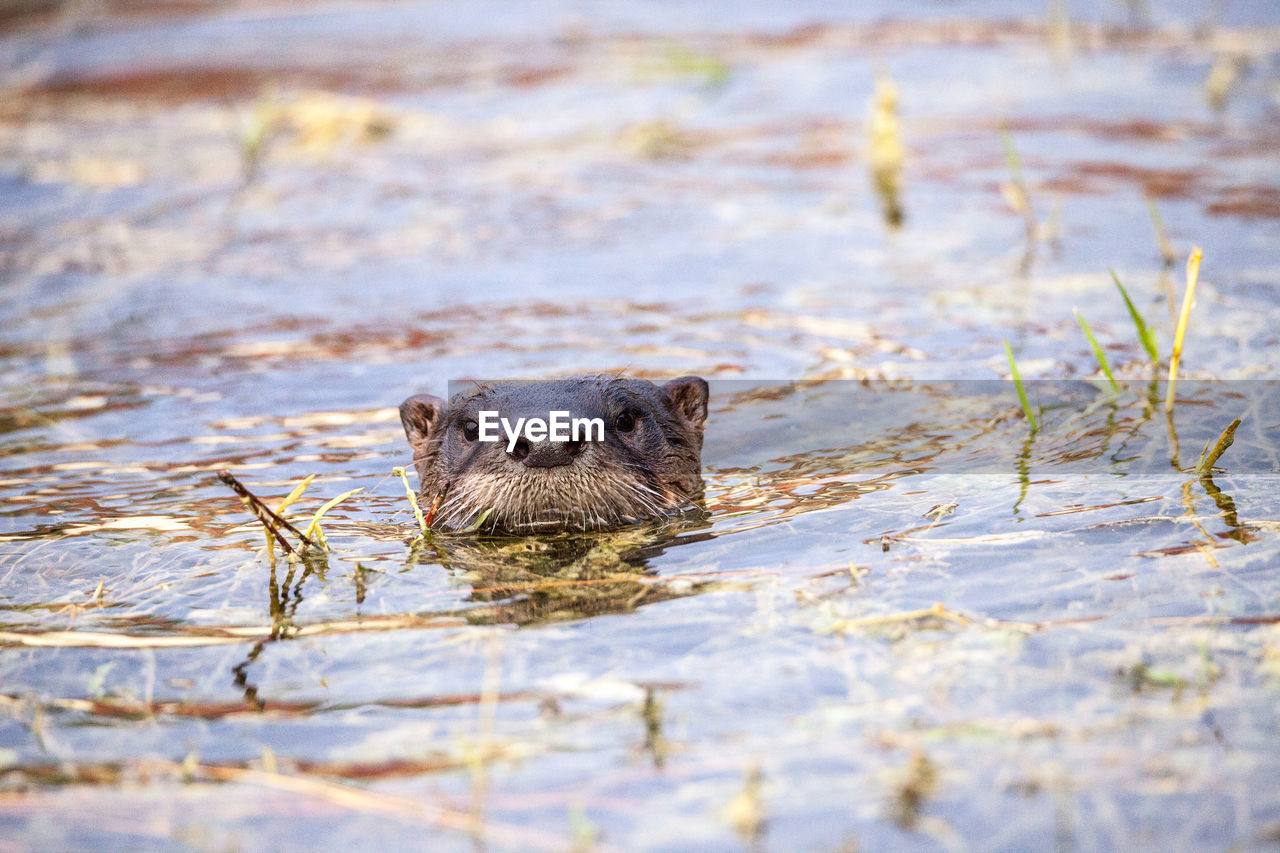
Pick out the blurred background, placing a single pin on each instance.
(329, 187)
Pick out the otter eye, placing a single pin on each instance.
(471, 430)
(625, 422)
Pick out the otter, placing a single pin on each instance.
(647, 464)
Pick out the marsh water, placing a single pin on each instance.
(236, 236)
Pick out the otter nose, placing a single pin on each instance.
(545, 454)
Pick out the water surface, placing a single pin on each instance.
(237, 237)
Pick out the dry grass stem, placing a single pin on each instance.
(1193, 276)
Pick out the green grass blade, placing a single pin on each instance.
(475, 525)
(1022, 392)
(1146, 334)
(1098, 353)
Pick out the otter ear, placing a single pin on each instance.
(421, 415)
(689, 398)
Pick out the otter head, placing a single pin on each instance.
(637, 456)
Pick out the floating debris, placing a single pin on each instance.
(269, 519)
(1208, 457)
(917, 784)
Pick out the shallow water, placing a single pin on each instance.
(237, 237)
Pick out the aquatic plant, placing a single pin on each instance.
(1098, 353)
(1224, 76)
(1204, 467)
(680, 60)
(1015, 192)
(313, 529)
(268, 517)
(1146, 334)
(289, 500)
(886, 151)
(423, 523)
(1193, 276)
(273, 520)
(1022, 392)
(1167, 254)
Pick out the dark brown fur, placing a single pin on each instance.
(651, 469)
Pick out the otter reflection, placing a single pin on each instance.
(529, 579)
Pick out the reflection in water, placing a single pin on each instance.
(1023, 469)
(816, 445)
(514, 580)
(1227, 507)
(283, 599)
(780, 460)
(532, 579)
(962, 430)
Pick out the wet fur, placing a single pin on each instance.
(629, 477)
